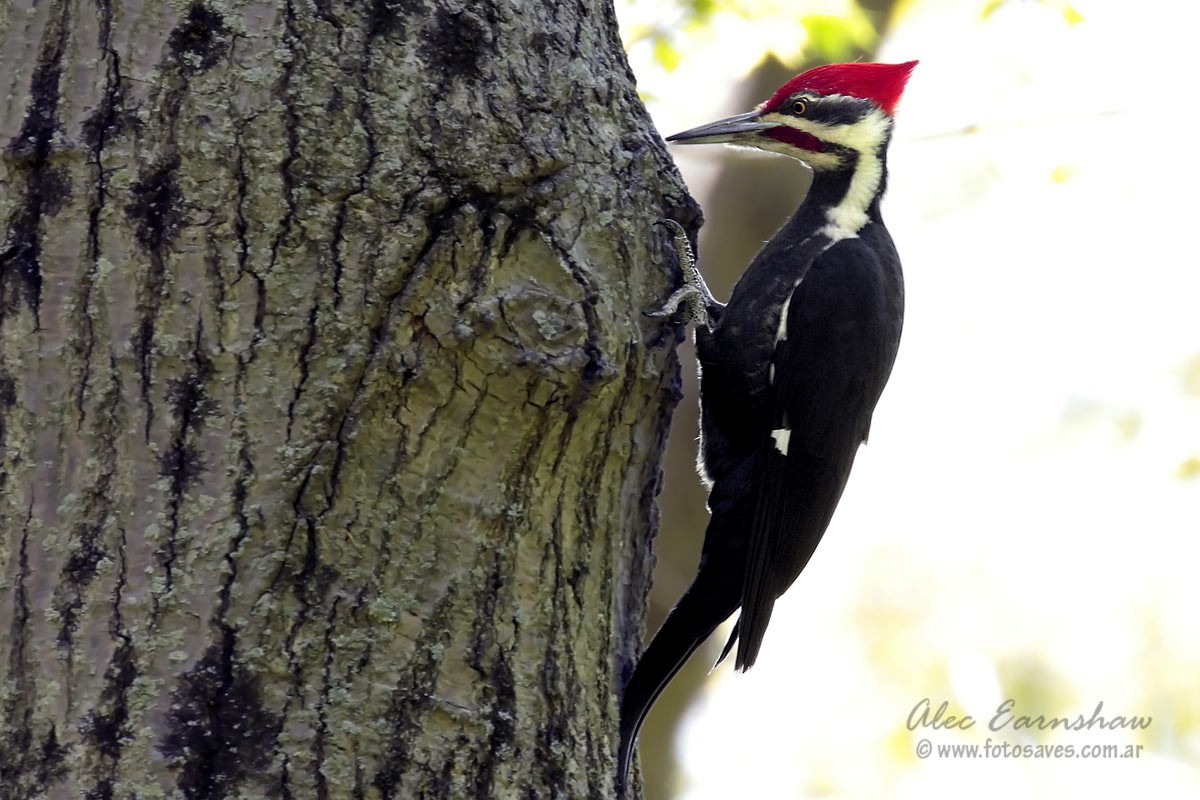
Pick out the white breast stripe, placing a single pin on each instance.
(782, 437)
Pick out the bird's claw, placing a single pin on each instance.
(688, 296)
(694, 295)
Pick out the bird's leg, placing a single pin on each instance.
(699, 304)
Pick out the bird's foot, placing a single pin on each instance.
(694, 296)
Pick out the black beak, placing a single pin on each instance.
(723, 130)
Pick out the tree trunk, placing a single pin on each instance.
(330, 423)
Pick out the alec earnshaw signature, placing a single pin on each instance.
(923, 715)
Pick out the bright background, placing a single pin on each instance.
(1024, 522)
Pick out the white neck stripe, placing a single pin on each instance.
(849, 216)
(865, 138)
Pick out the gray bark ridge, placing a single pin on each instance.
(330, 422)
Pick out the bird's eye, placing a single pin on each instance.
(800, 108)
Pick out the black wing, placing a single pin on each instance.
(830, 362)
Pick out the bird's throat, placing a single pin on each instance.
(847, 195)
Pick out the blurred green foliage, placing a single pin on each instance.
(1068, 11)
(833, 30)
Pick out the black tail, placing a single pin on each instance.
(702, 608)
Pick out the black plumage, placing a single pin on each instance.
(791, 370)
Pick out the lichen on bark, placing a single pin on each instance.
(329, 417)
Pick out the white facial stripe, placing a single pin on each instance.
(826, 161)
(866, 135)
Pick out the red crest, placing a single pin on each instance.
(880, 83)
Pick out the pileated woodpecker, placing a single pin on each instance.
(790, 369)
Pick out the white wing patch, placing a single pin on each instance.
(782, 437)
(781, 331)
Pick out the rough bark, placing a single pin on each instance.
(330, 424)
